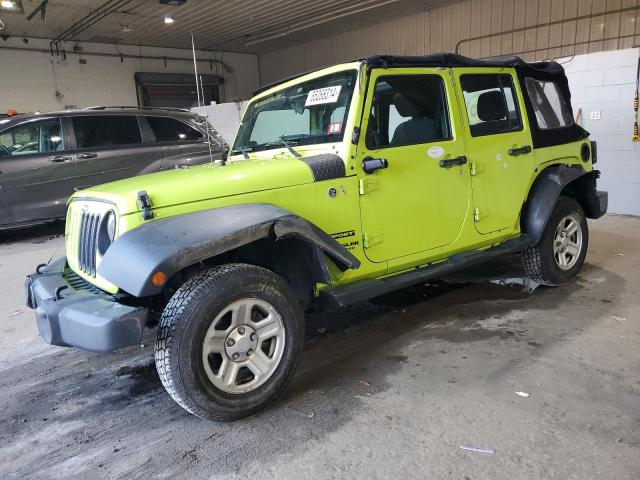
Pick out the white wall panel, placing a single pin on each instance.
(28, 80)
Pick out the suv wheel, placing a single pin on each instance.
(228, 341)
(560, 253)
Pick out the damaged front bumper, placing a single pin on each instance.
(71, 312)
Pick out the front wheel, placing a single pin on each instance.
(228, 341)
(560, 253)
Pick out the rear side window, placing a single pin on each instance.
(548, 104)
(105, 131)
(167, 129)
(492, 105)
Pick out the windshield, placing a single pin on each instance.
(308, 113)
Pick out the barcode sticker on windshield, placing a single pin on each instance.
(323, 95)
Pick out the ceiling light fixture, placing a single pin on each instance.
(168, 19)
(12, 6)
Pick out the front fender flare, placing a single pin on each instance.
(171, 244)
(543, 196)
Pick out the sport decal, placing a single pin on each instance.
(350, 243)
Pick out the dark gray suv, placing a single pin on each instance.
(45, 157)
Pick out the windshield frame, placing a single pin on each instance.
(242, 147)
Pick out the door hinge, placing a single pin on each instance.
(479, 214)
(366, 186)
(371, 239)
(472, 169)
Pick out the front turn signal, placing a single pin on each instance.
(158, 279)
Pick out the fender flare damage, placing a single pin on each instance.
(172, 244)
(546, 190)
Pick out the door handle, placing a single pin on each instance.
(60, 158)
(514, 152)
(83, 156)
(454, 162)
(370, 165)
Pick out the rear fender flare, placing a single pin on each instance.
(172, 244)
(543, 196)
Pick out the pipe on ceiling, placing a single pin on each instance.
(225, 65)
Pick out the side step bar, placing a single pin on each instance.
(364, 290)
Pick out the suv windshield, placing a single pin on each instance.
(307, 113)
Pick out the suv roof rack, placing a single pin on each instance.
(123, 107)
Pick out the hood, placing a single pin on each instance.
(202, 182)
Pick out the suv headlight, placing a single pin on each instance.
(107, 232)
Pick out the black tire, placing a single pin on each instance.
(539, 261)
(184, 324)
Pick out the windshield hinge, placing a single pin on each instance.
(371, 239)
(355, 136)
(367, 186)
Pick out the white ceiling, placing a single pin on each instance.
(234, 25)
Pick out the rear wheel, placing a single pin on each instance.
(229, 340)
(560, 253)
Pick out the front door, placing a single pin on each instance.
(499, 145)
(37, 173)
(419, 201)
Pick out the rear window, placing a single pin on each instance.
(107, 130)
(549, 105)
(166, 129)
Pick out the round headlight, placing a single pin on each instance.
(106, 232)
(111, 226)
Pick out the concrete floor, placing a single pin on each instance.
(388, 390)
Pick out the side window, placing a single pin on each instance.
(42, 136)
(167, 129)
(548, 104)
(408, 110)
(492, 105)
(106, 130)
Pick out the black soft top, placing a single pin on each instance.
(548, 71)
(454, 60)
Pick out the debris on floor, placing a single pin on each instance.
(523, 394)
(476, 449)
(364, 382)
(16, 312)
(620, 319)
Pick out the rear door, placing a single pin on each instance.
(182, 143)
(37, 172)
(499, 145)
(111, 147)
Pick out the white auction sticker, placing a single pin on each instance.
(323, 95)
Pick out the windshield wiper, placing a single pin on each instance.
(289, 147)
(244, 150)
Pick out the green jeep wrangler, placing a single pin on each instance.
(342, 184)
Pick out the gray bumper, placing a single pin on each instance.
(78, 316)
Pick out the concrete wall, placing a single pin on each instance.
(603, 85)
(440, 29)
(29, 80)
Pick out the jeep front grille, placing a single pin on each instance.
(88, 242)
